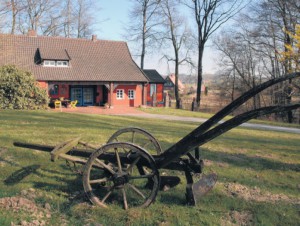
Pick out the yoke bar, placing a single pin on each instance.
(194, 139)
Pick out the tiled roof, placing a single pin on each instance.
(53, 54)
(97, 60)
(154, 76)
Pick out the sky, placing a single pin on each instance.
(113, 17)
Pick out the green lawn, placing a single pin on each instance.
(258, 174)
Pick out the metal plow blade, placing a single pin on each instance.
(204, 185)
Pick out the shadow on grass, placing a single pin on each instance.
(172, 197)
(20, 174)
(242, 160)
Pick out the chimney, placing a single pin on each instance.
(31, 33)
(94, 38)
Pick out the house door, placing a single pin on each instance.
(105, 94)
(76, 94)
(84, 95)
(88, 96)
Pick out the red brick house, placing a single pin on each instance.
(155, 88)
(94, 72)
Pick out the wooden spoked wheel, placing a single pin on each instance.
(138, 137)
(112, 176)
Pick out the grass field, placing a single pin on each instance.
(258, 175)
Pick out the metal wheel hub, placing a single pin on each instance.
(120, 179)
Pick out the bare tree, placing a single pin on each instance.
(266, 33)
(14, 12)
(83, 18)
(143, 24)
(11, 9)
(69, 21)
(71, 18)
(178, 34)
(38, 13)
(287, 20)
(210, 15)
(67, 18)
(284, 16)
(241, 59)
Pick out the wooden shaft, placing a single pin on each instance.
(48, 148)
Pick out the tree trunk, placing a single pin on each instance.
(143, 52)
(142, 58)
(144, 37)
(233, 87)
(200, 76)
(288, 101)
(176, 83)
(14, 15)
(287, 63)
(68, 35)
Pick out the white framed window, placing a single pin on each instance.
(58, 63)
(49, 63)
(152, 89)
(120, 94)
(62, 63)
(131, 94)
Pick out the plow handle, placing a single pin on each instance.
(194, 138)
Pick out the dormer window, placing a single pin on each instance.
(49, 63)
(63, 63)
(56, 57)
(56, 63)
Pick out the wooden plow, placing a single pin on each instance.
(124, 172)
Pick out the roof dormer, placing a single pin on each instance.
(54, 57)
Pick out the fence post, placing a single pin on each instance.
(180, 103)
(166, 100)
(154, 104)
(193, 104)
